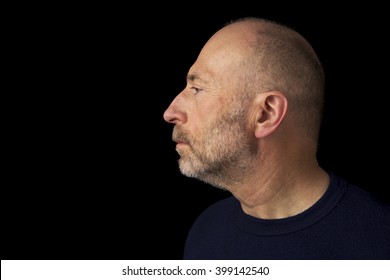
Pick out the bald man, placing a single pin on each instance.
(248, 122)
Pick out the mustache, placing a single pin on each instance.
(178, 135)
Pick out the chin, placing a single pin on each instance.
(187, 169)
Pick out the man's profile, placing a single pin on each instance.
(248, 122)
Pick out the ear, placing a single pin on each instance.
(271, 109)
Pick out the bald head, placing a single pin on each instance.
(273, 57)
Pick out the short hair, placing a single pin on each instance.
(284, 60)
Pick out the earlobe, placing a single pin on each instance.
(271, 110)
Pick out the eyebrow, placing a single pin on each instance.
(195, 77)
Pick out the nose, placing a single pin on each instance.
(174, 113)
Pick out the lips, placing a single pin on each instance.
(179, 142)
(180, 137)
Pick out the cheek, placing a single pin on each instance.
(203, 121)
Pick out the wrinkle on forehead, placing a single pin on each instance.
(222, 60)
(223, 53)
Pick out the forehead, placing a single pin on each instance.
(221, 56)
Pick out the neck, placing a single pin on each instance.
(289, 189)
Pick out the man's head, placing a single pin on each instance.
(255, 86)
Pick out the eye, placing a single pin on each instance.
(195, 90)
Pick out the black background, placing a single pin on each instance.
(92, 172)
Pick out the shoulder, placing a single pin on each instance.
(363, 203)
(213, 228)
(217, 219)
(358, 194)
(218, 212)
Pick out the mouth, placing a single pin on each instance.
(180, 143)
(179, 138)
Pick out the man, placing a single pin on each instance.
(248, 122)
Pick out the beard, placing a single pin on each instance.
(222, 155)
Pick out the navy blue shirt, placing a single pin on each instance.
(346, 223)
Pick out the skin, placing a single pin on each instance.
(248, 144)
